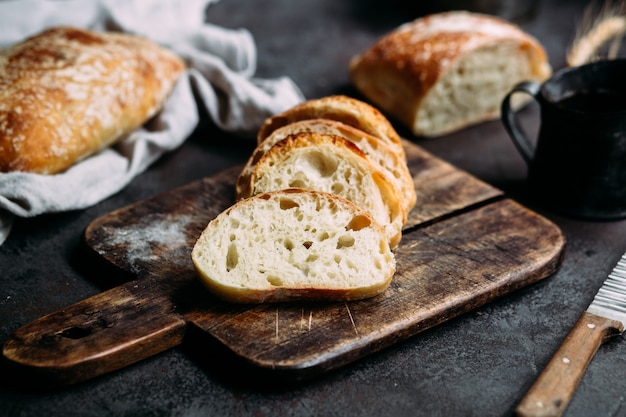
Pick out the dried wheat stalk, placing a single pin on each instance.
(596, 30)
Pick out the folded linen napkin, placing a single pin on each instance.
(222, 64)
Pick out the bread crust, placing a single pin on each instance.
(377, 151)
(67, 93)
(347, 110)
(399, 70)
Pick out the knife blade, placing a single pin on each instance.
(604, 319)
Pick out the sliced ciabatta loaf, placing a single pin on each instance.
(348, 110)
(293, 245)
(376, 151)
(332, 164)
(446, 71)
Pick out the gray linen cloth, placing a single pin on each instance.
(222, 64)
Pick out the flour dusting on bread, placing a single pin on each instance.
(341, 108)
(446, 71)
(66, 93)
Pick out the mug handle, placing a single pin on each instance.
(519, 137)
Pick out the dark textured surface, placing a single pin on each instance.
(480, 364)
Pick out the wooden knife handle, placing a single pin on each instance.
(97, 335)
(555, 386)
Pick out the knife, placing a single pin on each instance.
(604, 318)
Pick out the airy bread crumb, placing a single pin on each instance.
(332, 164)
(376, 150)
(294, 244)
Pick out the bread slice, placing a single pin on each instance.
(447, 71)
(348, 110)
(294, 245)
(377, 151)
(332, 164)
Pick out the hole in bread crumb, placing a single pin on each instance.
(234, 223)
(323, 236)
(321, 163)
(307, 244)
(337, 188)
(312, 258)
(232, 237)
(359, 222)
(232, 257)
(337, 259)
(274, 280)
(345, 242)
(288, 203)
(304, 268)
(288, 244)
(297, 183)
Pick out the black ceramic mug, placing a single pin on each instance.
(578, 166)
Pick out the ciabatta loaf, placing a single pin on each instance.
(331, 164)
(348, 110)
(446, 71)
(291, 245)
(67, 93)
(377, 151)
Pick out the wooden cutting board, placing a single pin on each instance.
(465, 244)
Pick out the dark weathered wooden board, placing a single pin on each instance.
(465, 245)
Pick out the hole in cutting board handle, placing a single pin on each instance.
(76, 332)
(79, 332)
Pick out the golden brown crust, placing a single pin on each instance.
(348, 110)
(398, 71)
(377, 151)
(280, 295)
(67, 93)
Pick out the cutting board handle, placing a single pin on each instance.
(97, 335)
